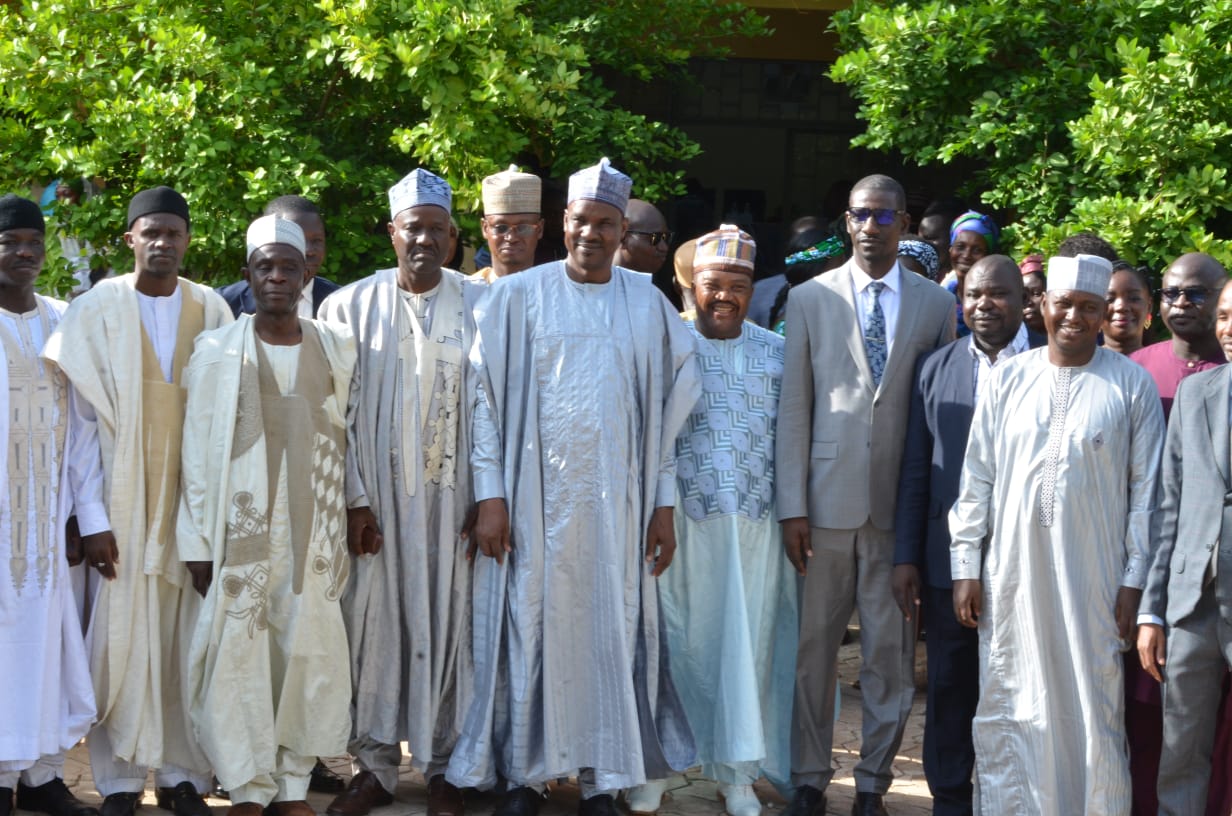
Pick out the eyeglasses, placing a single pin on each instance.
(883, 217)
(520, 230)
(655, 238)
(1196, 295)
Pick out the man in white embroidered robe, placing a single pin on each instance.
(123, 345)
(262, 526)
(1049, 550)
(408, 610)
(586, 375)
(47, 702)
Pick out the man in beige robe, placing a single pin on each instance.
(123, 346)
(263, 512)
(512, 222)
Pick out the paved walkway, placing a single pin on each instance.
(688, 794)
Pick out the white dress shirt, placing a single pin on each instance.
(982, 366)
(890, 297)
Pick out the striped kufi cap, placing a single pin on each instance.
(729, 247)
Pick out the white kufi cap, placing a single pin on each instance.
(1084, 273)
(274, 229)
(417, 188)
(601, 183)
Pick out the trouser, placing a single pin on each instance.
(43, 770)
(851, 569)
(382, 761)
(288, 782)
(953, 693)
(1199, 649)
(589, 785)
(115, 775)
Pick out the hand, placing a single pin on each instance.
(1152, 648)
(661, 539)
(905, 582)
(797, 542)
(491, 531)
(468, 524)
(363, 533)
(102, 553)
(72, 542)
(1127, 610)
(202, 575)
(968, 603)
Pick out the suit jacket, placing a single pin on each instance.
(840, 438)
(938, 424)
(1194, 501)
(239, 295)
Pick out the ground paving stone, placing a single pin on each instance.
(688, 794)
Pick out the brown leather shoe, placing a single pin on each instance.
(361, 796)
(292, 807)
(245, 809)
(444, 799)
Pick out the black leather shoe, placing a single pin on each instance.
(324, 780)
(808, 801)
(6, 801)
(53, 798)
(520, 801)
(120, 804)
(601, 805)
(363, 793)
(868, 804)
(182, 800)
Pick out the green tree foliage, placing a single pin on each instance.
(234, 102)
(1111, 116)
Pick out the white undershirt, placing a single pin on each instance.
(161, 318)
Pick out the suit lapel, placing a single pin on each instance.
(855, 340)
(907, 282)
(1216, 405)
(964, 374)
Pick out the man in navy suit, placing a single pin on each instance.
(947, 383)
(304, 213)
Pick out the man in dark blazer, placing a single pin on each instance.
(942, 404)
(853, 337)
(1189, 587)
(304, 213)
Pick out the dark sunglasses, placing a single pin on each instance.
(1196, 295)
(655, 238)
(883, 217)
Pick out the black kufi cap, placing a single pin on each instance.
(20, 213)
(157, 200)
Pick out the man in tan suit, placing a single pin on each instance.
(853, 336)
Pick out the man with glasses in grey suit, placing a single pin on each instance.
(1190, 576)
(853, 338)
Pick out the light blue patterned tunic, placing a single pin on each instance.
(729, 598)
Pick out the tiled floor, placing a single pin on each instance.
(689, 794)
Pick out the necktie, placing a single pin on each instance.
(875, 334)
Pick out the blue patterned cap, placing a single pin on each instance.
(417, 188)
(601, 183)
